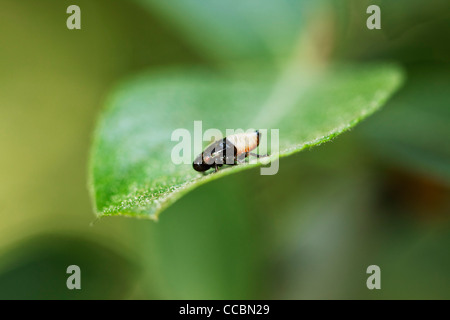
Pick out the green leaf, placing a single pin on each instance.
(238, 29)
(413, 132)
(131, 171)
(41, 263)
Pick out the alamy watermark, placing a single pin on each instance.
(374, 280)
(234, 147)
(374, 20)
(74, 20)
(74, 280)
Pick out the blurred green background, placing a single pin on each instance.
(377, 195)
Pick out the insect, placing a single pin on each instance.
(231, 150)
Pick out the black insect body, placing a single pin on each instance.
(231, 150)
